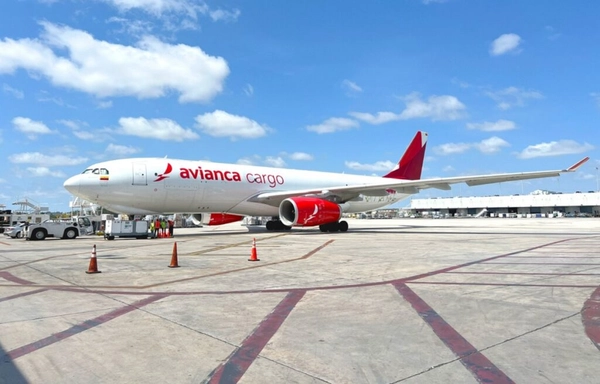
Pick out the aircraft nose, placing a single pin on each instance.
(72, 184)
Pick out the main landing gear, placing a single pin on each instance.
(341, 226)
(277, 225)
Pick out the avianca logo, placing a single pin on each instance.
(215, 174)
(163, 175)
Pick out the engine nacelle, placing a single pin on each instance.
(215, 218)
(308, 211)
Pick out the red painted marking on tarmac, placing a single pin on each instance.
(565, 264)
(135, 290)
(486, 260)
(22, 294)
(524, 273)
(10, 277)
(505, 284)
(3, 243)
(590, 317)
(78, 328)
(241, 359)
(479, 365)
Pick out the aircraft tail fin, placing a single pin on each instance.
(410, 165)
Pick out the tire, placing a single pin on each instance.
(19, 234)
(70, 233)
(343, 226)
(38, 234)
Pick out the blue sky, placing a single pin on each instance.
(500, 86)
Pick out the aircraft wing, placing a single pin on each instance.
(386, 186)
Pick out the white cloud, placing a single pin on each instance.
(351, 88)
(333, 124)
(161, 129)
(121, 150)
(513, 97)
(246, 161)
(375, 167)
(12, 91)
(492, 145)
(249, 90)
(271, 161)
(452, 148)
(379, 118)
(427, 2)
(104, 104)
(222, 15)
(436, 108)
(596, 97)
(448, 168)
(509, 42)
(45, 160)
(443, 107)
(488, 146)
(552, 33)
(277, 162)
(300, 156)
(44, 172)
(150, 69)
(30, 127)
(555, 148)
(222, 124)
(177, 14)
(500, 125)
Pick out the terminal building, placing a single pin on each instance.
(539, 203)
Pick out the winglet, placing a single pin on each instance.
(576, 166)
(410, 165)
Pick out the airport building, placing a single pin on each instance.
(537, 204)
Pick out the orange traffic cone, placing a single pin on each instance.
(253, 254)
(174, 263)
(93, 267)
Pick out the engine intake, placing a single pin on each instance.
(308, 211)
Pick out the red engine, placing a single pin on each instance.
(215, 218)
(308, 211)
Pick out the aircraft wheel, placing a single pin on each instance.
(343, 226)
(334, 227)
(270, 225)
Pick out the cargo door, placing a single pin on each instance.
(140, 176)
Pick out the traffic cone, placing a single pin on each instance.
(174, 263)
(93, 267)
(253, 254)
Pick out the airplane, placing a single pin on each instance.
(219, 193)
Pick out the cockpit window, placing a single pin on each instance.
(103, 171)
(90, 170)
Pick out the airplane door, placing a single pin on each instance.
(140, 176)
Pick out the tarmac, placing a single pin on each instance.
(389, 301)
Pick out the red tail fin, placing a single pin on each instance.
(410, 165)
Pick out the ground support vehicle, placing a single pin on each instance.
(126, 228)
(17, 231)
(64, 229)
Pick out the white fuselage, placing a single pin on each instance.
(155, 185)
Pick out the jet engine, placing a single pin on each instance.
(214, 218)
(308, 211)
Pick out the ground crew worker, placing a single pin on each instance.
(171, 225)
(163, 226)
(152, 229)
(157, 226)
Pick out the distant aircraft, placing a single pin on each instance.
(218, 193)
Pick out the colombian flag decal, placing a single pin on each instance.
(104, 177)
